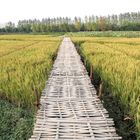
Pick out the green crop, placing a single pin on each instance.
(25, 63)
(117, 61)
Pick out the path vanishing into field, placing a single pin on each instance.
(70, 108)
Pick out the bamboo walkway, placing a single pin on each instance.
(70, 108)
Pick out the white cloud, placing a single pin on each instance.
(13, 10)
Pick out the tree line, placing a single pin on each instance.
(121, 22)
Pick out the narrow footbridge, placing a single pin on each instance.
(70, 108)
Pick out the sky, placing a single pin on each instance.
(14, 10)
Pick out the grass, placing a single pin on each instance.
(15, 123)
(117, 62)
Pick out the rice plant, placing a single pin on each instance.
(25, 63)
(117, 61)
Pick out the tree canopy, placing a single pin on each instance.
(121, 22)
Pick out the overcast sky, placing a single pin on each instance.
(14, 10)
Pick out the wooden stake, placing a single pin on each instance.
(37, 103)
(91, 72)
(100, 89)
